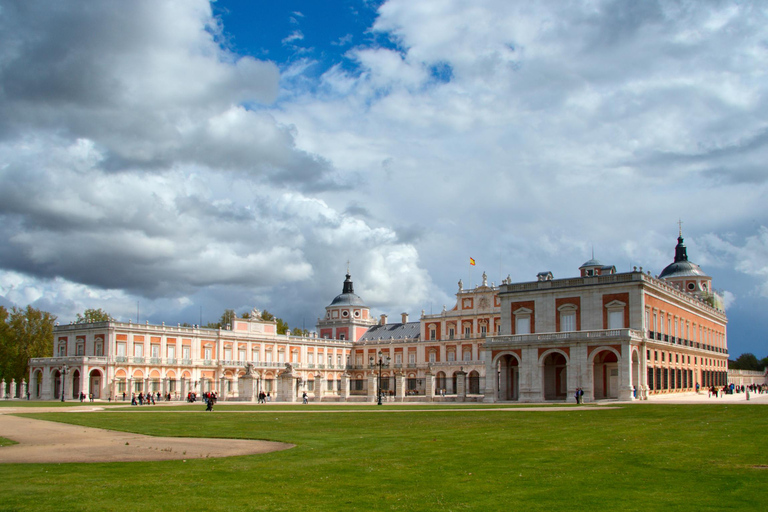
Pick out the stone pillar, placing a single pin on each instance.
(642, 388)
(583, 377)
(24, 389)
(461, 385)
(222, 388)
(372, 387)
(2, 388)
(65, 388)
(286, 383)
(400, 387)
(430, 385)
(46, 388)
(248, 388)
(344, 386)
(165, 387)
(318, 388)
(129, 387)
(625, 372)
(490, 378)
(183, 388)
(12, 391)
(531, 382)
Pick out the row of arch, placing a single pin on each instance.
(94, 383)
(554, 364)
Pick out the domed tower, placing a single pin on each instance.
(686, 275)
(346, 317)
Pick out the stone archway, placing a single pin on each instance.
(508, 378)
(56, 384)
(555, 376)
(35, 385)
(94, 383)
(605, 375)
(440, 384)
(76, 388)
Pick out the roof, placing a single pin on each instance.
(347, 296)
(410, 330)
(591, 263)
(681, 267)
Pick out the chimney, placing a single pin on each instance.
(405, 317)
(383, 320)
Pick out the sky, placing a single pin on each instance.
(168, 160)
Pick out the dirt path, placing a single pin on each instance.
(51, 442)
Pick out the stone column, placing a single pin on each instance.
(400, 387)
(582, 374)
(165, 387)
(24, 389)
(12, 391)
(625, 372)
(344, 386)
(530, 376)
(318, 388)
(430, 385)
(461, 386)
(490, 378)
(183, 388)
(286, 387)
(372, 387)
(223, 388)
(2, 388)
(45, 387)
(248, 388)
(643, 372)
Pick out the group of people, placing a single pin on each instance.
(579, 395)
(732, 388)
(83, 396)
(142, 399)
(209, 398)
(265, 397)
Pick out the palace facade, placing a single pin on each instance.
(614, 335)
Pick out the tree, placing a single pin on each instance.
(24, 333)
(227, 318)
(266, 315)
(299, 332)
(282, 326)
(92, 316)
(746, 361)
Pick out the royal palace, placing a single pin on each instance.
(620, 335)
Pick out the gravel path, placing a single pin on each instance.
(51, 442)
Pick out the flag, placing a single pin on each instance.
(472, 261)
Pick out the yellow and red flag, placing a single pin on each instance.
(472, 261)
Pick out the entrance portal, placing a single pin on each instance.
(508, 374)
(555, 377)
(606, 375)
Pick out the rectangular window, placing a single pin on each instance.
(171, 352)
(467, 332)
(359, 360)
(186, 352)
(432, 334)
(451, 333)
(432, 357)
(616, 319)
(208, 351)
(268, 356)
(227, 354)
(241, 354)
(399, 358)
(483, 330)
(467, 355)
(256, 355)
(281, 357)
(310, 358)
(138, 350)
(120, 349)
(412, 358)
(155, 350)
(523, 325)
(567, 322)
(451, 356)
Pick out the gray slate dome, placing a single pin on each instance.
(591, 263)
(347, 296)
(681, 267)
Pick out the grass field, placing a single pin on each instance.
(636, 457)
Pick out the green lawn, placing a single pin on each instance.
(5, 442)
(637, 457)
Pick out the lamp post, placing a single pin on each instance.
(63, 374)
(380, 363)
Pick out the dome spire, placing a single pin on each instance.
(348, 287)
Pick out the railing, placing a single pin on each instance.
(558, 336)
(459, 363)
(137, 360)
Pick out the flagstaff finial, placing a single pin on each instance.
(347, 266)
(680, 226)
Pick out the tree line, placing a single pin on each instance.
(748, 361)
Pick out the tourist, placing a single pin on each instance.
(304, 398)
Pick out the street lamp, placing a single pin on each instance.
(63, 373)
(381, 362)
